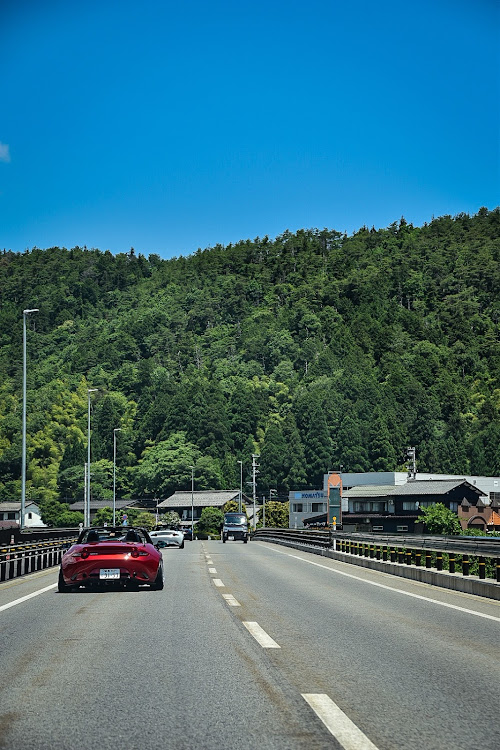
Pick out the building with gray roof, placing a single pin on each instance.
(396, 507)
(390, 500)
(180, 502)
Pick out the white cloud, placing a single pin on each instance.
(4, 152)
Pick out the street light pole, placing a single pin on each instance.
(87, 509)
(192, 503)
(240, 503)
(23, 469)
(85, 495)
(116, 429)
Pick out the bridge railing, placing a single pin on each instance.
(457, 554)
(28, 557)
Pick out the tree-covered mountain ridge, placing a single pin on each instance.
(315, 350)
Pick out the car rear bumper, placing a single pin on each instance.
(91, 576)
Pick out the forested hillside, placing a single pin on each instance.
(314, 350)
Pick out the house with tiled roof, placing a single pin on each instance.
(10, 515)
(387, 501)
(396, 507)
(182, 502)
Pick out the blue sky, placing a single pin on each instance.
(168, 126)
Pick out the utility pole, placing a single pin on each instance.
(254, 486)
(240, 500)
(192, 502)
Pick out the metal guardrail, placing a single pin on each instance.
(21, 559)
(445, 552)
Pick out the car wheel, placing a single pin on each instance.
(223, 540)
(61, 585)
(181, 546)
(158, 582)
(245, 541)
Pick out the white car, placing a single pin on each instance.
(167, 538)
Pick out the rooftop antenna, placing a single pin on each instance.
(412, 463)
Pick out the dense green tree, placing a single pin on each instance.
(166, 466)
(138, 517)
(294, 462)
(438, 519)
(272, 460)
(318, 448)
(106, 417)
(210, 522)
(232, 506)
(277, 515)
(104, 516)
(243, 414)
(59, 515)
(351, 346)
(382, 454)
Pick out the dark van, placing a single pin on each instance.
(235, 527)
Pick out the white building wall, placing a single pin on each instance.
(32, 516)
(307, 499)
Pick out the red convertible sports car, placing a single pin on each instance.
(112, 555)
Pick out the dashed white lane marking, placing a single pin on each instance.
(231, 600)
(218, 582)
(28, 596)
(209, 561)
(335, 720)
(260, 635)
(391, 588)
(212, 570)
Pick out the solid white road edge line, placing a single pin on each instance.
(335, 720)
(28, 596)
(260, 635)
(218, 582)
(231, 600)
(391, 588)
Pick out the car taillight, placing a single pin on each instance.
(136, 552)
(85, 553)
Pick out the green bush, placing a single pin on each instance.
(210, 522)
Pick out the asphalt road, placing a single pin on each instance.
(249, 646)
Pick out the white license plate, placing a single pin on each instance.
(107, 574)
(231, 538)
